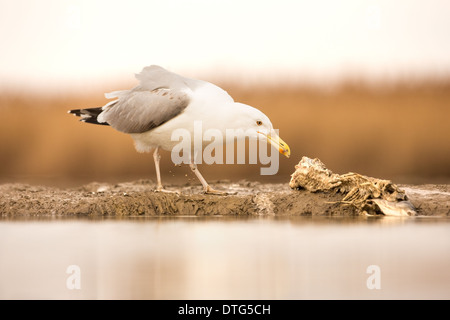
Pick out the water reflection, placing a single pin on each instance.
(225, 258)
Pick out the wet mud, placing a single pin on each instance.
(251, 199)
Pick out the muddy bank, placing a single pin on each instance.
(252, 198)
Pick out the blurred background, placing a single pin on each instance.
(362, 85)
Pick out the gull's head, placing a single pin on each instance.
(257, 125)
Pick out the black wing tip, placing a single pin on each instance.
(93, 121)
(88, 115)
(92, 112)
(75, 112)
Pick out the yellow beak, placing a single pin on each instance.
(278, 143)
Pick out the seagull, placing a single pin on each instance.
(164, 101)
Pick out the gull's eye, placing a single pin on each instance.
(259, 122)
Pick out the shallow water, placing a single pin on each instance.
(225, 258)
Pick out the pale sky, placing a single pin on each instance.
(78, 43)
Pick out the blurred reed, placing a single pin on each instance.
(398, 131)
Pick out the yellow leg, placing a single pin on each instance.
(159, 186)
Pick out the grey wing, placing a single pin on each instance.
(154, 77)
(138, 111)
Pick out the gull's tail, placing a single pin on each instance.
(89, 115)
